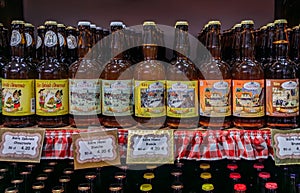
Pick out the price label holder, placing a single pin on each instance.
(95, 149)
(286, 145)
(21, 145)
(150, 147)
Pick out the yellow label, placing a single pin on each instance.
(1, 96)
(182, 99)
(52, 97)
(18, 97)
(149, 97)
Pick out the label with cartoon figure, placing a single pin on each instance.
(215, 98)
(18, 97)
(117, 97)
(248, 98)
(182, 99)
(149, 98)
(282, 97)
(85, 98)
(52, 97)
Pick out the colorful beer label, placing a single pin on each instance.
(215, 100)
(149, 97)
(182, 99)
(52, 97)
(18, 97)
(117, 97)
(248, 98)
(84, 96)
(282, 97)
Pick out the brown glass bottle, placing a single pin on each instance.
(262, 45)
(38, 187)
(149, 83)
(236, 41)
(84, 83)
(52, 84)
(117, 94)
(182, 84)
(18, 83)
(115, 188)
(71, 44)
(248, 84)
(40, 47)
(270, 54)
(4, 50)
(282, 84)
(30, 45)
(177, 187)
(295, 45)
(61, 33)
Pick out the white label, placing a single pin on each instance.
(15, 38)
(150, 145)
(72, 42)
(50, 39)
(252, 85)
(289, 85)
(39, 42)
(287, 145)
(61, 39)
(28, 39)
(96, 149)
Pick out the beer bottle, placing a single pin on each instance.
(26, 175)
(90, 177)
(40, 46)
(93, 34)
(257, 40)
(146, 188)
(83, 188)
(264, 177)
(117, 94)
(30, 45)
(207, 188)
(148, 177)
(11, 190)
(236, 47)
(177, 187)
(115, 188)
(18, 83)
(18, 182)
(72, 45)
(62, 53)
(282, 84)
(49, 181)
(182, 84)
(295, 45)
(215, 84)
(235, 179)
(57, 189)
(262, 45)
(292, 185)
(271, 187)
(38, 187)
(120, 178)
(3, 46)
(248, 84)
(240, 188)
(270, 53)
(3, 183)
(205, 177)
(149, 83)
(52, 84)
(177, 174)
(84, 83)
(99, 43)
(65, 183)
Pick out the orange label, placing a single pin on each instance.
(282, 97)
(248, 98)
(215, 98)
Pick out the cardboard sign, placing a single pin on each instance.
(286, 145)
(95, 149)
(150, 147)
(21, 145)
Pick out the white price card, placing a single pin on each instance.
(95, 149)
(286, 145)
(150, 146)
(21, 145)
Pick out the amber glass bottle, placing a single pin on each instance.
(270, 55)
(117, 94)
(84, 83)
(18, 102)
(30, 45)
(236, 40)
(52, 106)
(61, 33)
(182, 84)
(40, 47)
(71, 44)
(248, 84)
(282, 84)
(149, 83)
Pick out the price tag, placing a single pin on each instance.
(150, 147)
(286, 145)
(21, 145)
(95, 149)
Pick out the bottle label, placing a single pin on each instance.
(72, 42)
(84, 96)
(182, 99)
(117, 97)
(50, 39)
(15, 38)
(39, 42)
(282, 97)
(248, 98)
(28, 39)
(215, 100)
(52, 97)
(149, 98)
(1, 96)
(61, 39)
(18, 97)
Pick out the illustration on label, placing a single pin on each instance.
(71, 42)
(85, 98)
(150, 98)
(282, 97)
(215, 98)
(15, 38)
(117, 97)
(52, 97)
(182, 98)
(50, 39)
(18, 97)
(61, 39)
(39, 42)
(248, 98)
(1, 96)
(28, 39)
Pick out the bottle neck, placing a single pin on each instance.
(84, 42)
(269, 46)
(182, 44)
(117, 42)
(150, 51)
(247, 44)
(281, 50)
(214, 43)
(51, 43)
(236, 45)
(18, 43)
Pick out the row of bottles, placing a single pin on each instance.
(180, 177)
(104, 85)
